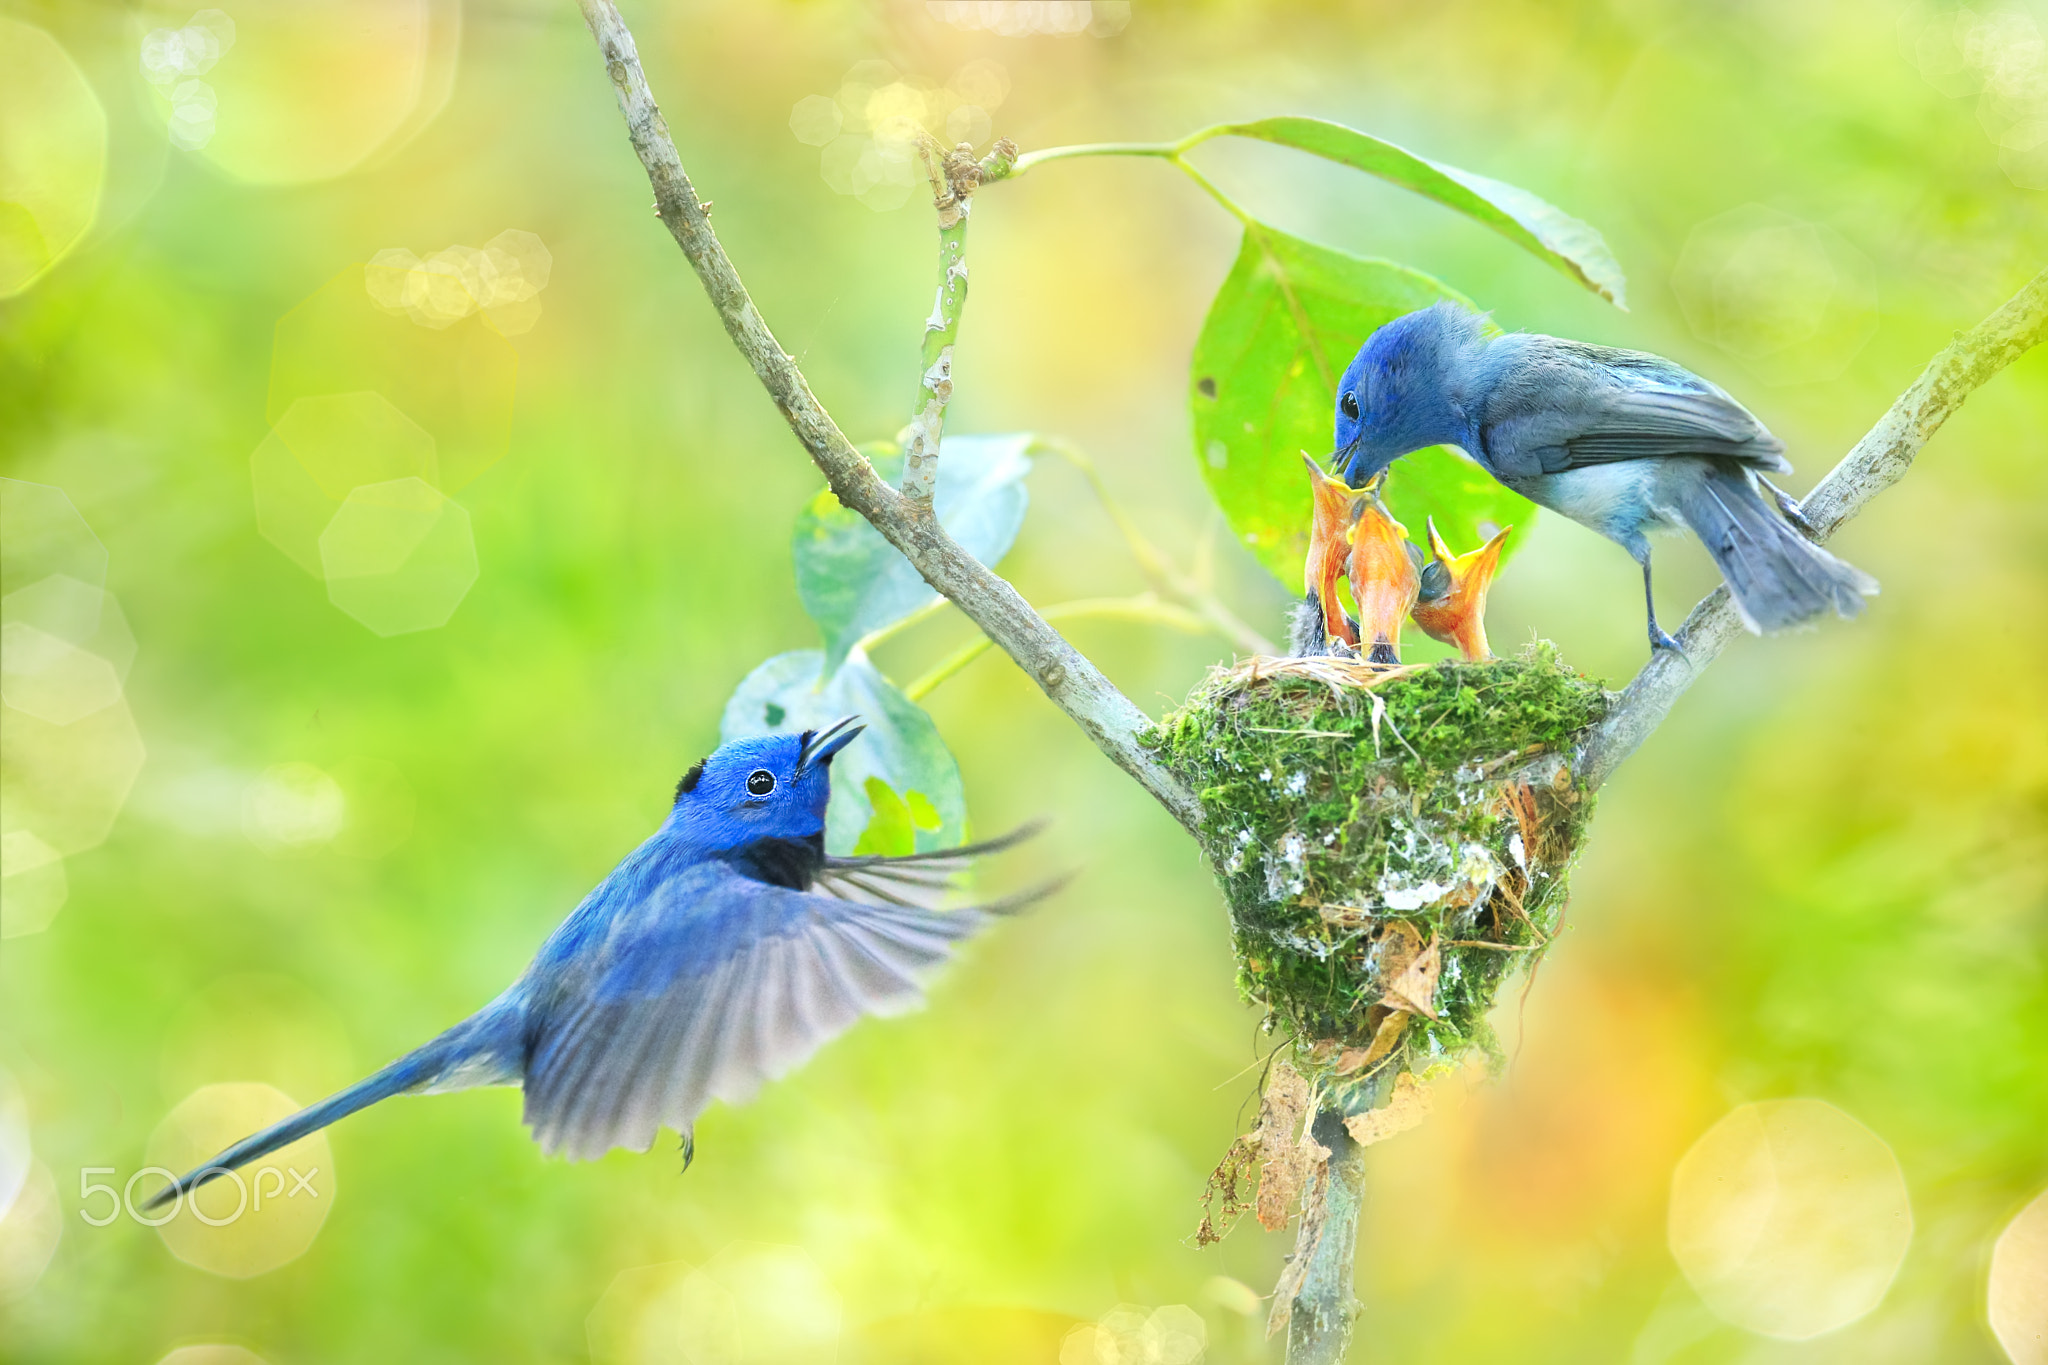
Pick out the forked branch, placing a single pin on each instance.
(1074, 684)
(1876, 462)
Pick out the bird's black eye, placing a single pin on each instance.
(760, 782)
(1348, 405)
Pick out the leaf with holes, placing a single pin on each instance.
(853, 582)
(1263, 389)
(900, 758)
(1529, 221)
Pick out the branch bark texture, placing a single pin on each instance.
(1074, 684)
(1876, 462)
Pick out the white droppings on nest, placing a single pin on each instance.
(1235, 863)
(1307, 947)
(1287, 874)
(1297, 783)
(1396, 895)
(1521, 855)
(1265, 774)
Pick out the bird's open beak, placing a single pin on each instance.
(820, 745)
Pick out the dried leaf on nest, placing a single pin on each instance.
(1224, 1183)
(1408, 1107)
(1408, 969)
(1385, 1039)
(1290, 1155)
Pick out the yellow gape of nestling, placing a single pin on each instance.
(1451, 605)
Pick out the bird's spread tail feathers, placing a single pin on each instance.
(1777, 576)
(481, 1050)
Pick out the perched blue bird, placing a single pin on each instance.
(1621, 442)
(722, 952)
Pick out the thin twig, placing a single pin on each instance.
(1144, 607)
(954, 175)
(1167, 577)
(1877, 462)
(1075, 685)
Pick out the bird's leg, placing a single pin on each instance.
(1659, 639)
(1788, 507)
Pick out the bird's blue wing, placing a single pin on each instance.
(707, 986)
(1563, 405)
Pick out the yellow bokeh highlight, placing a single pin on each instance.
(53, 154)
(212, 1353)
(1789, 1218)
(752, 1304)
(30, 1229)
(260, 1217)
(315, 88)
(501, 279)
(1130, 1334)
(2016, 1301)
(293, 808)
(455, 383)
(256, 1027)
(399, 556)
(66, 783)
(33, 884)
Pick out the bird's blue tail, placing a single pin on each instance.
(484, 1049)
(1778, 577)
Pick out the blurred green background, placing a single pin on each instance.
(1827, 876)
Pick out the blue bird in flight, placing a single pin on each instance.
(722, 952)
(1622, 442)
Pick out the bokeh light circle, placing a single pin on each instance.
(293, 808)
(15, 1151)
(751, 1304)
(1789, 1218)
(314, 89)
(29, 1232)
(1130, 1334)
(53, 154)
(2016, 1300)
(399, 556)
(33, 884)
(1796, 299)
(212, 1353)
(286, 1194)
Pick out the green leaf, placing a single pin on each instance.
(853, 582)
(1572, 246)
(1263, 389)
(888, 833)
(901, 746)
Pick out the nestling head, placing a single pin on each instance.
(1402, 391)
(767, 786)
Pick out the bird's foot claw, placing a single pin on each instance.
(1663, 639)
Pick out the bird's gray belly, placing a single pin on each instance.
(1619, 500)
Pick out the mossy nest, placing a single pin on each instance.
(1393, 842)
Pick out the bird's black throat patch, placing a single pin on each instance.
(793, 863)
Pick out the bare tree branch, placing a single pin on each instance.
(1074, 684)
(1877, 462)
(955, 175)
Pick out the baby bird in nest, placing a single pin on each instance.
(1353, 537)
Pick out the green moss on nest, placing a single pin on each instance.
(1340, 803)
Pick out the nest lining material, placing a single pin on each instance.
(1393, 842)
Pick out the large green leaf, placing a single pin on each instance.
(853, 582)
(1263, 390)
(901, 747)
(1572, 246)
